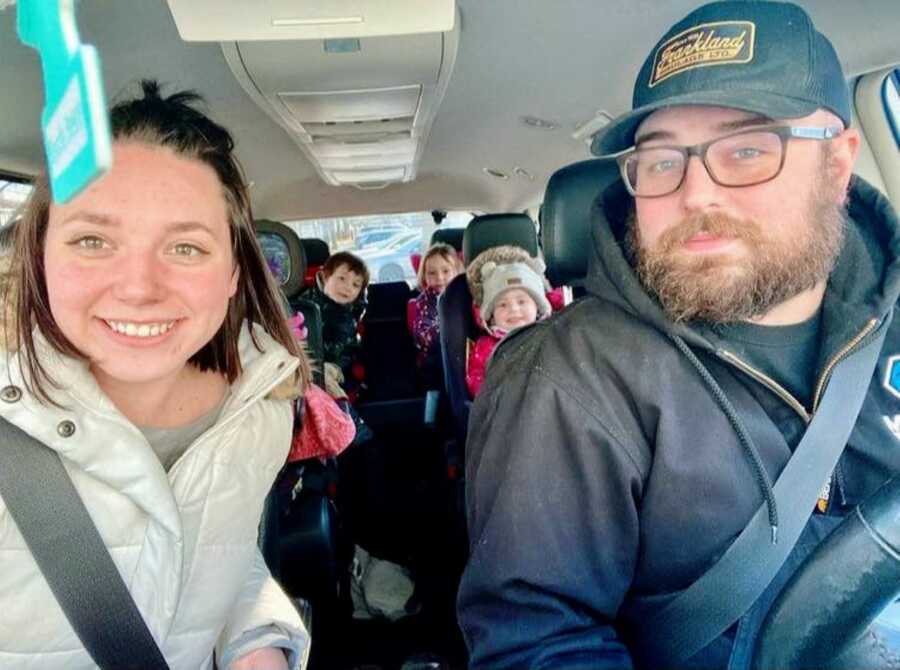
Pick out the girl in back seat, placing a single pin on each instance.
(508, 291)
(438, 268)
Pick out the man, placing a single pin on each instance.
(617, 450)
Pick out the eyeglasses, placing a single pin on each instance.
(744, 158)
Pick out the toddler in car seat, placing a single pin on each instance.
(340, 294)
(438, 267)
(508, 291)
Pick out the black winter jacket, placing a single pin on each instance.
(602, 476)
(339, 326)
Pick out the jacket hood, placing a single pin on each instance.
(864, 284)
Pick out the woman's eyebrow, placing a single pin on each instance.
(189, 227)
(83, 216)
(106, 220)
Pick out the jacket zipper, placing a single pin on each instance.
(767, 381)
(826, 373)
(836, 479)
(786, 395)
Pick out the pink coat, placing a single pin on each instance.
(476, 363)
(480, 352)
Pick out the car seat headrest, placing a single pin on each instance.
(284, 255)
(493, 230)
(451, 236)
(566, 217)
(388, 300)
(317, 252)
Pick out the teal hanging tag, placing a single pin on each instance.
(74, 121)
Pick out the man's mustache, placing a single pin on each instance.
(718, 225)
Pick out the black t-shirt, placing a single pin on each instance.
(787, 354)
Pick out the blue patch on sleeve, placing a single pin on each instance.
(892, 376)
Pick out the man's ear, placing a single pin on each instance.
(842, 159)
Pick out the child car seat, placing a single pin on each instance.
(317, 252)
(286, 256)
(298, 531)
(455, 306)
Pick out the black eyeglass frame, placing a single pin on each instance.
(784, 133)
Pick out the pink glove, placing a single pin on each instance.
(295, 323)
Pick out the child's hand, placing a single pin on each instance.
(295, 323)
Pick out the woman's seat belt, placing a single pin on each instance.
(724, 593)
(71, 554)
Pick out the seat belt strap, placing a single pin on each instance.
(721, 596)
(70, 553)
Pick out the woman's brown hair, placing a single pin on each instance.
(175, 123)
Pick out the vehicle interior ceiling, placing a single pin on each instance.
(472, 109)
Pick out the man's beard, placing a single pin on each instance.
(720, 289)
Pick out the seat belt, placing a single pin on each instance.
(70, 553)
(721, 596)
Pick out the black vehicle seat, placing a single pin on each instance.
(451, 236)
(566, 217)
(299, 536)
(317, 252)
(458, 327)
(286, 255)
(388, 353)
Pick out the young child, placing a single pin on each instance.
(340, 294)
(508, 289)
(438, 267)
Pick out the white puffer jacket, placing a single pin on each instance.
(184, 541)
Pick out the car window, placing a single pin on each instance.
(13, 194)
(384, 241)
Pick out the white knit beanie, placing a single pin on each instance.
(497, 279)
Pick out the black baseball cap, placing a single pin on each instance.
(762, 57)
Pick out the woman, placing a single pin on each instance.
(141, 316)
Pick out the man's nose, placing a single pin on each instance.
(698, 190)
(139, 278)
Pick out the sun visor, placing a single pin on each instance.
(242, 21)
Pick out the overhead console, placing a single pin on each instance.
(356, 84)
